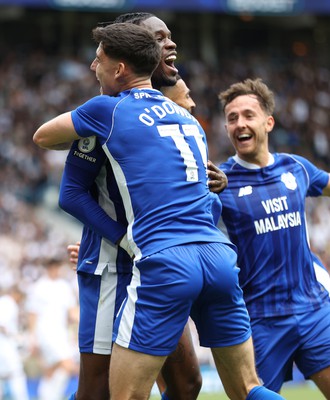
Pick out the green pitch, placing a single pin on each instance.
(297, 392)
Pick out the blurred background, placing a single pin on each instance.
(45, 53)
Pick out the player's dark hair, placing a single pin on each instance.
(256, 87)
(134, 18)
(130, 43)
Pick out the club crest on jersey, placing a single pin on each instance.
(289, 180)
(86, 145)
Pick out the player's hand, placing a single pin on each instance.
(73, 251)
(217, 179)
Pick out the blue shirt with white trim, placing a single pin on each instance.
(264, 214)
(158, 154)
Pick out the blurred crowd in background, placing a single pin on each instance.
(35, 87)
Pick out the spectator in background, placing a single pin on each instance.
(11, 363)
(51, 305)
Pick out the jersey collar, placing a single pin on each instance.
(248, 165)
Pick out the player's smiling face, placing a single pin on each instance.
(165, 73)
(248, 126)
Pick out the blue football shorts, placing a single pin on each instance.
(100, 297)
(303, 339)
(199, 279)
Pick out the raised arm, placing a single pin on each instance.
(56, 134)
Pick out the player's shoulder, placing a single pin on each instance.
(288, 156)
(100, 104)
(281, 158)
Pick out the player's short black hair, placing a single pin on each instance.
(134, 18)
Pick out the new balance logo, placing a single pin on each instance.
(244, 191)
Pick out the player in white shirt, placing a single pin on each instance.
(11, 363)
(51, 304)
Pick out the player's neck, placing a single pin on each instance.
(139, 83)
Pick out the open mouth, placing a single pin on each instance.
(244, 137)
(169, 61)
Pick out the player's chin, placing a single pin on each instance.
(171, 71)
(168, 73)
(170, 78)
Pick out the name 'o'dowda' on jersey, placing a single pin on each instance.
(263, 210)
(88, 184)
(158, 154)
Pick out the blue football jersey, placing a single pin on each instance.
(89, 192)
(158, 154)
(264, 213)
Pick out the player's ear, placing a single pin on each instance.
(120, 70)
(270, 123)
